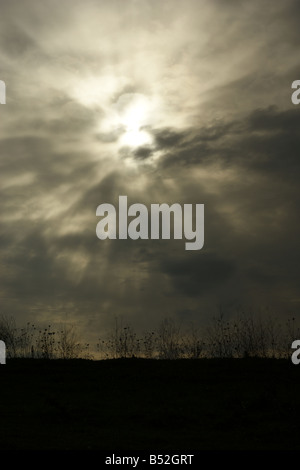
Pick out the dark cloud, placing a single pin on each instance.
(196, 274)
(16, 42)
(265, 139)
(169, 138)
(142, 153)
(272, 119)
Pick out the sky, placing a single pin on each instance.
(166, 102)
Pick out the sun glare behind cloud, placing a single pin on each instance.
(134, 112)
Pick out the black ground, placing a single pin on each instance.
(135, 404)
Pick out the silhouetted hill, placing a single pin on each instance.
(136, 404)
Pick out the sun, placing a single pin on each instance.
(135, 113)
(127, 118)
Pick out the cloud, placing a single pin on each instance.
(197, 274)
(215, 78)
